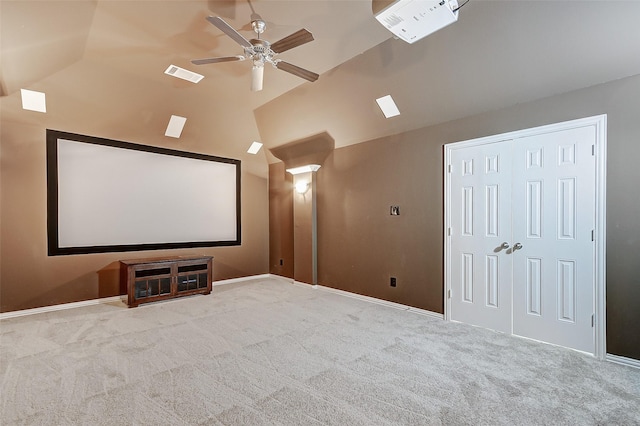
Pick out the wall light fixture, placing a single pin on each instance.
(302, 186)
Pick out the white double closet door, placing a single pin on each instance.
(522, 217)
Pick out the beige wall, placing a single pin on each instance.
(360, 245)
(280, 221)
(29, 278)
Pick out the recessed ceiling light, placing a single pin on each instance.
(304, 169)
(388, 107)
(176, 71)
(254, 148)
(176, 124)
(33, 101)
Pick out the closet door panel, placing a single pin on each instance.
(481, 223)
(553, 219)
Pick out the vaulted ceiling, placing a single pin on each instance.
(101, 64)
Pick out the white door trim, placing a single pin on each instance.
(600, 151)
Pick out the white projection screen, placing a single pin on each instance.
(109, 196)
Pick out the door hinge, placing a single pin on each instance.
(593, 150)
(593, 235)
(449, 168)
(449, 294)
(593, 320)
(449, 231)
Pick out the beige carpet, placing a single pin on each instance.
(269, 352)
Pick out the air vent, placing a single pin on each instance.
(176, 71)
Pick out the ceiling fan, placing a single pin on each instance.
(261, 51)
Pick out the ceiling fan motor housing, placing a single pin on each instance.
(261, 51)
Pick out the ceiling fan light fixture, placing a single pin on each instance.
(257, 76)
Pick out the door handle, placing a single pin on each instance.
(517, 246)
(504, 245)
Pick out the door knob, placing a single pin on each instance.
(504, 245)
(517, 246)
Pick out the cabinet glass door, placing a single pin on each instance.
(152, 282)
(192, 277)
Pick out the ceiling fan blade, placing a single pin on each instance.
(216, 60)
(294, 40)
(297, 71)
(228, 30)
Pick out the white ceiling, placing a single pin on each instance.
(101, 63)
(498, 54)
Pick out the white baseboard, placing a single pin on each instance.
(60, 307)
(361, 297)
(112, 299)
(623, 360)
(284, 279)
(381, 302)
(241, 279)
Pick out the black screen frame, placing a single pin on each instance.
(53, 244)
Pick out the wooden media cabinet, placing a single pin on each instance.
(150, 280)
